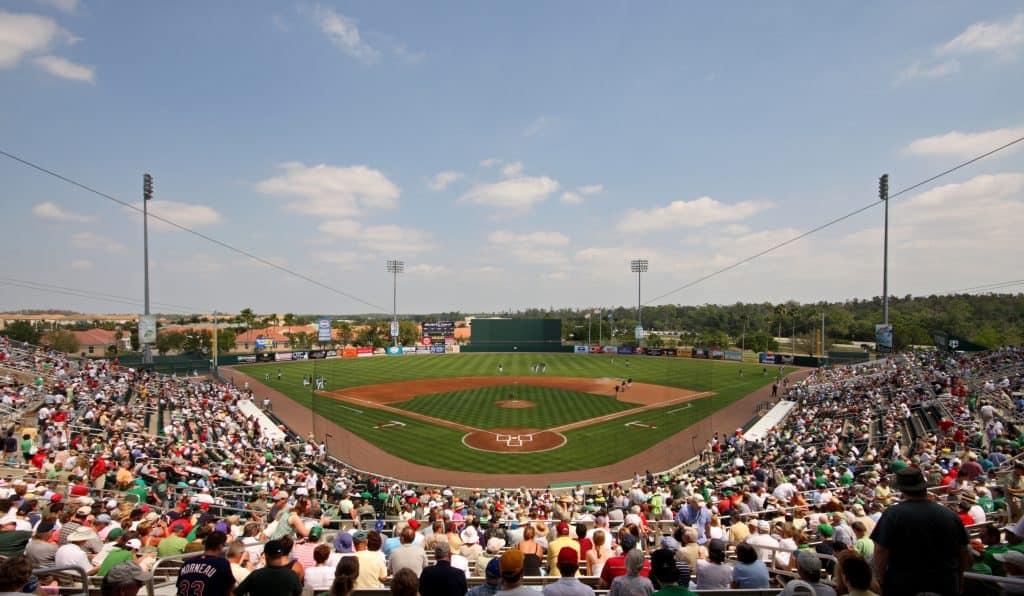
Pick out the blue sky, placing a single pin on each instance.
(513, 154)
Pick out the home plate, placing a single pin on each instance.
(391, 424)
(638, 424)
(686, 407)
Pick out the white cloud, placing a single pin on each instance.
(81, 264)
(386, 238)
(25, 34)
(512, 170)
(490, 162)
(65, 69)
(937, 70)
(536, 127)
(50, 210)
(68, 6)
(514, 194)
(347, 260)
(199, 263)
(334, 191)
(576, 197)
(91, 241)
(427, 270)
(997, 37)
(964, 144)
(555, 276)
(529, 238)
(344, 33)
(188, 215)
(688, 214)
(442, 180)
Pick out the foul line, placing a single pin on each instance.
(686, 407)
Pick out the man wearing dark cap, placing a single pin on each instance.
(808, 565)
(492, 574)
(665, 570)
(568, 563)
(556, 545)
(208, 574)
(441, 579)
(276, 579)
(40, 551)
(901, 565)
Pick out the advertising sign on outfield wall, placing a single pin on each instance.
(316, 354)
(423, 350)
(265, 357)
(394, 351)
(654, 351)
(734, 355)
(364, 352)
(408, 349)
(349, 353)
(625, 350)
(595, 349)
(437, 349)
(609, 350)
(282, 356)
(670, 352)
(323, 331)
(581, 349)
(246, 359)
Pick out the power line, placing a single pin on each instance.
(92, 294)
(832, 222)
(988, 287)
(206, 237)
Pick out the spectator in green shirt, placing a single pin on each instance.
(175, 543)
(127, 551)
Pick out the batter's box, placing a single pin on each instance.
(503, 438)
(516, 442)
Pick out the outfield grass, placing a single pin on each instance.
(596, 445)
(552, 407)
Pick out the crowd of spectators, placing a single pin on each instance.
(120, 468)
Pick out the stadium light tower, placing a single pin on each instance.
(638, 266)
(395, 267)
(147, 196)
(883, 195)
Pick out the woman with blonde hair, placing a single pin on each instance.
(533, 553)
(289, 521)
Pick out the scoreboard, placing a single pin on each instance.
(439, 329)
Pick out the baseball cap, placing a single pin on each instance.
(359, 536)
(83, 511)
(343, 542)
(316, 532)
(511, 563)
(716, 544)
(126, 572)
(569, 556)
(102, 518)
(134, 544)
(115, 533)
(811, 563)
(414, 524)
(44, 527)
(274, 548)
(763, 525)
(825, 530)
(494, 568)
(563, 529)
(627, 542)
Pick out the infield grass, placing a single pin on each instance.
(551, 407)
(595, 445)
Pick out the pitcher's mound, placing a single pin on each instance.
(514, 403)
(513, 440)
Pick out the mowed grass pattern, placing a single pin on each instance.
(477, 407)
(596, 445)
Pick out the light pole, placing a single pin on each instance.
(216, 328)
(590, 328)
(147, 195)
(395, 267)
(883, 194)
(638, 266)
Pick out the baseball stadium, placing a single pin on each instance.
(511, 298)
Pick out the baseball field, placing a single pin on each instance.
(513, 413)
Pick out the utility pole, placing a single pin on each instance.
(638, 266)
(823, 333)
(216, 328)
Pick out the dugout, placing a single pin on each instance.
(516, 335)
